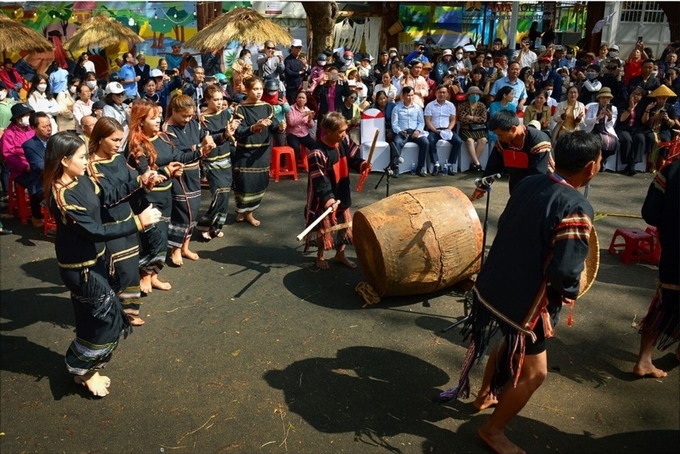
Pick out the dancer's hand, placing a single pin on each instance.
(477, 194)
(176, 169)
(150, 216)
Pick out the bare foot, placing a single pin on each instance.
(219, 234)
(648, 370)
(321, 263)
(251, 219)
(97, 384)
(176, 257)
(499, 443)
(160, 285)
(341, 258)
(145, 283)
(206, 236)
(135, 320)
(190, 255)
(240, 217)
(482, 402)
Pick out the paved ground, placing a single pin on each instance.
(254, 350)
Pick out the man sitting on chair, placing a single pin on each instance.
(440, 119)
(408, 125)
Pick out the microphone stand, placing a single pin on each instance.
(386, 175)
(468, 295)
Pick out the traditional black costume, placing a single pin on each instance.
(534, 266)
(84, 268)
(252, 155)
(329, 179)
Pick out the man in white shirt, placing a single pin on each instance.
(526, 57)
(440, 120)
(408, 125)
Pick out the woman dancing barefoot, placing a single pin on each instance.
(149, 148)
(190, 138)
(253, 150)
(81, 253)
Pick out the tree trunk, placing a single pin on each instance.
(322, 19)
(673, 16)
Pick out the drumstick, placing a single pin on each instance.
(316, 222)
(364, 174)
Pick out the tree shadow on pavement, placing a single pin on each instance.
(21, 356)
(372, 392)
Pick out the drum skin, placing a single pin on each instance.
(418, 241)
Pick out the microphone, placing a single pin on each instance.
(487, 181)
(388, 168)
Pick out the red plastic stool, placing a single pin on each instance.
(48, 220)
(656, 253)
(19, 200)
(289, 168)
(637, 245)
(303, 163)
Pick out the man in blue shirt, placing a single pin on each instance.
(408, 125)
(128, 76)
(513, 81)
(417, 53)
(58, 80)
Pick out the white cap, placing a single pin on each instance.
(114, 88)
(156, 73)
(296, 43)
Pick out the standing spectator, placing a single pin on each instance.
(408, 125)
(383, 65)
(420, 87)
(12, 79)
(195, 88)
(646, 80)
(296, 69)
(497, 49)
(318, 72)
(592, 86)
(545, 73)
(142, 70)
(34, 151)
(299, 121)
(17, 133)
(440, 121)
(270, 65)
(128, 76)
(670, 62)
(114, 108)
(41, 99)
(473, 116)
(612, 78)
(534, 34)
(512, 80)
(443, 66)
(330, 93)
(175, 57)
(431, 84)
(273, 96)
(66, 121)
(526, 57)
(387, 87)
(97, 93)
(213, 63)
(417, 54)
(633, 66)
(58, 78)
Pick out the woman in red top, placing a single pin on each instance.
(633, 65)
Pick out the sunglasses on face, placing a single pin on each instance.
(270, 48)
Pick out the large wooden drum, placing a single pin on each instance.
(418, 241)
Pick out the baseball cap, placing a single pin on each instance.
(156, 73)
(296, 43)
(114, 88)
(614, 47)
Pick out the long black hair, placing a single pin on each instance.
(59, 146)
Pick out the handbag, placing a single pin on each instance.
(477, 127)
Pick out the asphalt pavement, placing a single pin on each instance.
(254, 350)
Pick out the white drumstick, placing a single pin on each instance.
(311, 226)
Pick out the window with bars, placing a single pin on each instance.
(645, 12)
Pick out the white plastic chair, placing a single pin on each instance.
(372, 119)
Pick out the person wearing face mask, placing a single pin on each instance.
(393, 55)
(17, 133)
(41, 99)
(458, 61)
(317, 72)
(443, 66)
(96, 93)
(612, 78)
(592, 86)
(613, 55)
(66, 121)
(547, 73)
(279, 102)
(417, 53)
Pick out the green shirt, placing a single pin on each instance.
(6, 112)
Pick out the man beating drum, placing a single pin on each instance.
(533, 268)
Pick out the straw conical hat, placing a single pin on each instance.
(663, 91)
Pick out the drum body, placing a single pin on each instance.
(418, 241)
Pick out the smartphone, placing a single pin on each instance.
(639, 39)
(333, 77)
